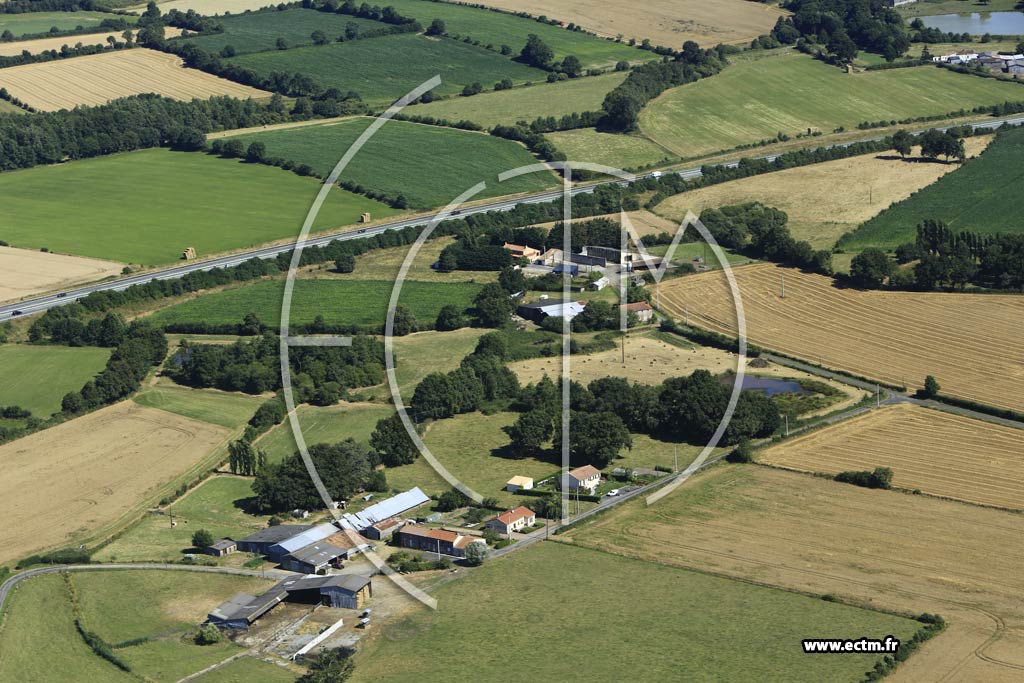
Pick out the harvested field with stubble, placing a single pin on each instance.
(819, 211)
(67, 482)
(24, 272)
(884, 549)
(97, 79)
(938, 453)
(970, 342)
(41, 44)
(665, 22)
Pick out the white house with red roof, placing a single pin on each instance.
(513, 520)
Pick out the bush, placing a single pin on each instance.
(202, 538)
(879, 478)
(208, 635)
(744, 452)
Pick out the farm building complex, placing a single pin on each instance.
(349, 591)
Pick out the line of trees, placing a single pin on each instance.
(761, 232)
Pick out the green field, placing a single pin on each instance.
(980, 197)
(499, 29)
(524, 104)
(430, 165)
(37, 377)
(231, 410)
(162, 606)
(339, 301)
(617, 151)
(146, 207)
(627, 619)
(248, 670)
(31, 23)
(259, 31)
(215, 505)
(383, 69)
(789, 93)
(933, 7)
(8, 108)
(324, 425)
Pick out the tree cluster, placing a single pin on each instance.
(68, 325)
(844, 26)
(344, 469)
(761, 232)
(879, 478)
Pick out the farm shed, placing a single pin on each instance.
(243, 609)
(383, 530)
(301, 540)
(435, 540)
(261, 541)
(560, 308)
(385, 509)
(224, 546)
(350, 591)
(313, 559)
(641, 309)
(519, 483)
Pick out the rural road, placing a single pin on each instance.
(46, 302)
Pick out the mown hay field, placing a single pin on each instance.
(498, 28)
(627, 152)
(37, 377)
(383, 69)
(339, 301)
(789, 93)
(524, 104)
(825, 201)
(884, 549)
(980, 197)
(938, 453)
(668, 624)
(25, 273)
(970, 342)
(38, 45)
(259, 31)
(191, 200)
(331, 424)
(65, 483)
(97, 79)
(665, 22)
(429, 165)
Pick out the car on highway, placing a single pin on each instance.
(62, 295)
(14, 313)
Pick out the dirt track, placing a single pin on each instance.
(886, 549)
(25, 273)
(938, 453)
(63, 483)
(970, 342)
(97, 79)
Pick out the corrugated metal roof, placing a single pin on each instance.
(317, 533)
(275, 534)
(391, 507)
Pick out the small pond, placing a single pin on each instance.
(769, 386)
(978, 24)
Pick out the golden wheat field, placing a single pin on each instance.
(971, 343)
(97, 79)
(42, 44)
(24, 272)
(92, 471)
(936, 452)
(665, 22)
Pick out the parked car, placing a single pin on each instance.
(612, 493)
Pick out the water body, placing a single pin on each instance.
(769, 386)
(978, 24)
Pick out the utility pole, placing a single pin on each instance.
(623, 349)
(687, 314)
(878, 397)
(787, 424)
(783, 285)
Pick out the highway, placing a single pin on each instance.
(45, 302)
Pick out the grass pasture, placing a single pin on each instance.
(817, 212)
(665, 22)
(100, 78)
(611, 149)
(789, 93)
(978, 197)
(894, 337)
(231, 410)
(8, 108)
(430, 165)
(324, 425)
(499, 29)
(648, 623)
(524, 104)
(37, 377)
(259, 31)
(246, 670)
(339, 301)
(96, 470)
(938, 453)
(214, 205)
(880, 548)
(215, 505)
(383, 69)
(30, 23)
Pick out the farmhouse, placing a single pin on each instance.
(513, 520)
(224, 546)
(261, 541)
(435, 540)
(586, 477)
(349, 591)
(520, 251)
(544, 308)
(518, 483)
(641, 309)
